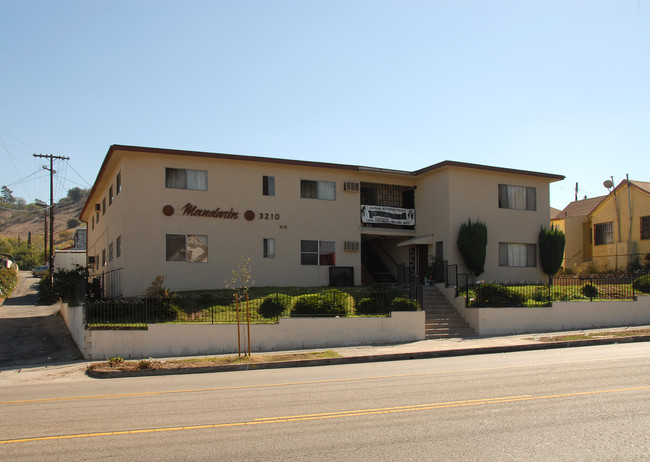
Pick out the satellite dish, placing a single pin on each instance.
(608, 184)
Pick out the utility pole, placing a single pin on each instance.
(52, 172)
(40, 203)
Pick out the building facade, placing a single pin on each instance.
(192, 216)
(607, 232)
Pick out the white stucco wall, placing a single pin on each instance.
(558, 317)
(73, 317)
(168, 340)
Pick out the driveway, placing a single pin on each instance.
(33, 334)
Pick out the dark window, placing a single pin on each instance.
(517, 197)
(118, 183)
(269, 248)
(268, 185)
(110, 252)
(103, 257)
(325, 190)
(645, 227)
(110, 195)
(181, 178)
(118, 247)
(317, 253)
(604, 233)
(103, 206)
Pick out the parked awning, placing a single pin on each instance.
(426, 239)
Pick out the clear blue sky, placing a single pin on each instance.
(556, 86)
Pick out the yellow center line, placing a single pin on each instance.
(332, 415)
(312, 382)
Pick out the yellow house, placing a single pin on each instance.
(607, 232)
(191, 216)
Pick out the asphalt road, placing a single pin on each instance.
(32, 334)
(588, 403)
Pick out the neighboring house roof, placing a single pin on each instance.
(440, 165)
(554, 212)
(585, 207)
(645, 185)
(580, 208)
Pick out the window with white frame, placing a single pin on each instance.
(604, 233)
(187, 247)
(325, 190)
(517, 254)
(645, 227)
(268, 185)
(320, 253)
(268, 248)
(183, 178)
(517, 197)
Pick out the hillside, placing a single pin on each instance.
(17, 223)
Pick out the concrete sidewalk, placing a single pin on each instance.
(415, 350)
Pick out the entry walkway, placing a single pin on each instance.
(33, 334)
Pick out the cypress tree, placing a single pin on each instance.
(472, 244)
(551, 250)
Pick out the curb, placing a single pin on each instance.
(367, 359)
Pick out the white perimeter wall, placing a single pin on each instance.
(167, 340)
(558, 317)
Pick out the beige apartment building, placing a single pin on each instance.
(192, 216)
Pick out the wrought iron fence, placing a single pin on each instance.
(107, 284)
(560, 288)
(259, 308)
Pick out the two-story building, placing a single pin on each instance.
(607, 232)
(191, 216)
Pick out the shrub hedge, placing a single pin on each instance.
(8, 280)
(642, 284)
(273, 305)
(496, 295)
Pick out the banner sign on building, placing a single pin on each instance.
(390, 215)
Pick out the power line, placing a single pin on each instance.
(78, 174)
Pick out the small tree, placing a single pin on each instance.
(241, 281)
(472, 244)
(551, 250)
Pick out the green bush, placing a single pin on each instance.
(371, 306)
(273, 305)
(305, 305)
(590, 291)
(642, 284)
(8, 280)
(66, 282)
(330, 302)
(333, 302)
(403, 304)
(46, 294)
(540, 294)
(495, 295)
